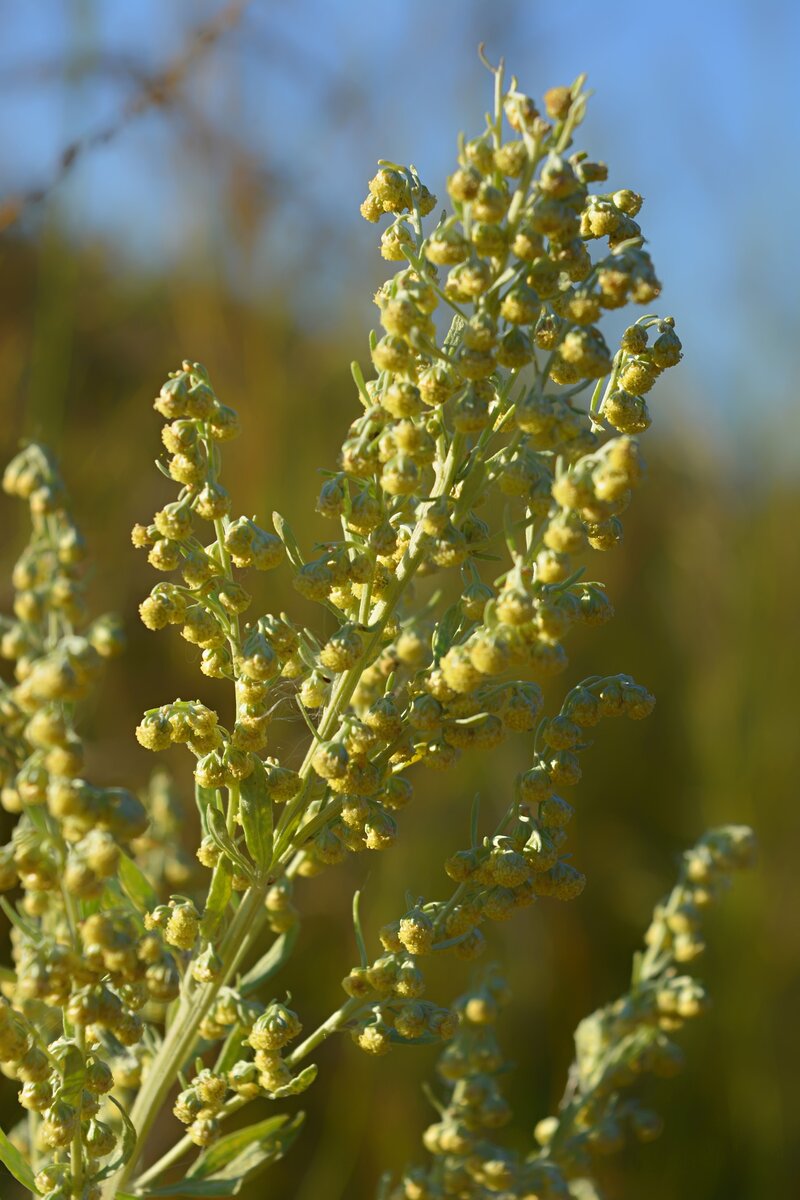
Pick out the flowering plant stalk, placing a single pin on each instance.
(142, 984)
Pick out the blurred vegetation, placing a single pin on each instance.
(705, 591)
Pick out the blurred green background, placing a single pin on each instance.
(209, 209)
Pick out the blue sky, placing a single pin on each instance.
(696, 106)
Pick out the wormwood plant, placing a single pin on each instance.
(491, 454)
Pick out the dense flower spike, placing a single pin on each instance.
(493, 452)
(615, 1047)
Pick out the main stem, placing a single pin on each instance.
(246, 925)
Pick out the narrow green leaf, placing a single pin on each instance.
(256, 1158)
(73, 1073)
(219, 832)
(205, 798)
(446, 630)
(299, 1084)
(453, 337)
(285, 533)
(433, 1099)
(189, 1188)
(358, 379)
(255, 810)
(359, 932)
(270, 963)
(231, 1050)
(508, 531)
(244, 1154)
(219, 895)
(473, 484)
(14, 1162)
(225, 1149)
(22, 925)
(126, 1149)
(137, 886)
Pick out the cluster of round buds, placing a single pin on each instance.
(82, 972)
(590, 498)
(521, 630)
(466, 1158)
(179, 920)
(439, 432)
(528, 294)
(614, 1046)
(394, 190)
(271, 1029)
(224, 758)
(396, 1022)
(184, 721)
(261, 1070)
(526, 861)
(355, 771)
(46, 577)
(102, 983)
(275, 1028)
(637, 368)
(394, 976)
(208, 602)
(560, 739)
(200, 1104)
(63, 1085)
(57, 654)
(82, 848)
(453, 693)
(393, 985)
(706, 872)
(631, 1036)
(265, 1033)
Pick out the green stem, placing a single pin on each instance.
(186, 1145)
(250, 916)
(76, 1149)
(182, 1034)
(335, 1021)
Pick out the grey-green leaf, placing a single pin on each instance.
(26, 927)
(137, 886)
(446, 630)
(204, 798)
(189, 1188)
(270, 963)
(73, 1074)
(126, 1149)
(13, 1161)
(255, 809)
(299, 1084)
(286, 534)
(219, 832)
(218, 898)
(246, 1152)
(231, 1050)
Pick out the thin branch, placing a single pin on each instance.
(155, 92)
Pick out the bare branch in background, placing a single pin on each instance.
(156, 91)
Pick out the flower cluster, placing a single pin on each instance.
(73, 1008)
(614, 1047)
(488, 461)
